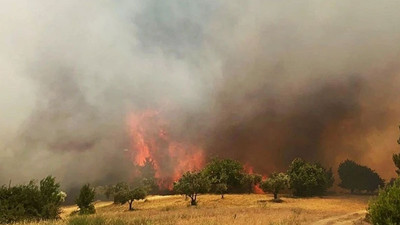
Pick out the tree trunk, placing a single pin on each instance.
(193, 200)
(275, 196)
(130, 205)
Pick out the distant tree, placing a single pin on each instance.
(123, 193)
(249, 181)
(226, 171)
(191, 184)
(309, 179)
(357, 177)
(85, 200)
(275, 183)
(148, 176)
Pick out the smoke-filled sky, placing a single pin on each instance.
(261, 81)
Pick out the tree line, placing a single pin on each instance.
(220, 176)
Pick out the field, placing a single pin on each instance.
(234, 209)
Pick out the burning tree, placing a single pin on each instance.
(148, 176)
(191, 184)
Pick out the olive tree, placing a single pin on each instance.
(275, 183)
(126, 194)
(191, 184)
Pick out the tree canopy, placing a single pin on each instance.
(85, 200)
(275, 183)
(191, 184)
(309, 179)
(355, 177)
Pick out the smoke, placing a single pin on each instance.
(258, 81)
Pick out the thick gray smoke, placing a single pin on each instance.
(258, 81)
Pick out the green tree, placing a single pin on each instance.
(226, 171)
(355, 177)
(85, 200)
(191, 184)
(309, 179)
(275, 183)
(51, 198)
(123, 193)
(385, 209)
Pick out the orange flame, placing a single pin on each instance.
(150, 139)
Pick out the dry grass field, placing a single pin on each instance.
(234, 209)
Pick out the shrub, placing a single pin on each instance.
(309, 179)
(30, 201)
(385, 209)
(85, 200)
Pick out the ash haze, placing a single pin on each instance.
(259, 81)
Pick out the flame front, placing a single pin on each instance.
(150, 139)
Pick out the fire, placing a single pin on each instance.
(150, 139)
(250, 170)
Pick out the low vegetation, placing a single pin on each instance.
(30, 202)
(385, 209)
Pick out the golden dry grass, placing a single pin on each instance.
(234, 209)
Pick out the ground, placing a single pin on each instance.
(233, 209)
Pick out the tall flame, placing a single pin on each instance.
(150, 139)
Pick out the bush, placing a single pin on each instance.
(309, 179)
(385, 209)
(85, 200)
(30, 201)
